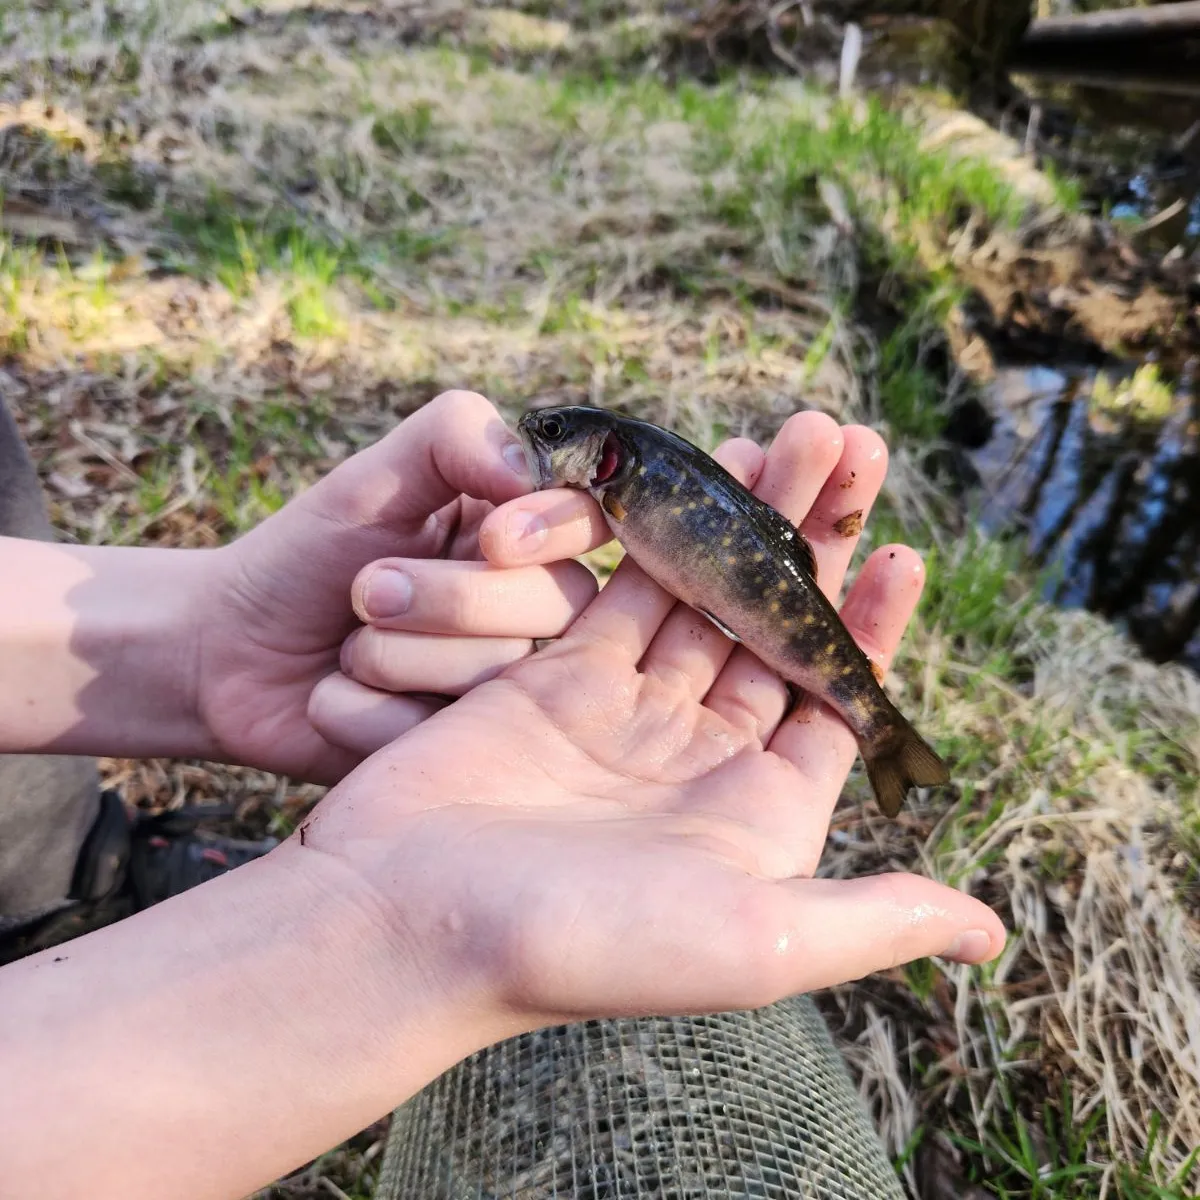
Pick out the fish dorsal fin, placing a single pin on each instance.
(801, 551)
(801, 548)
(733, 637)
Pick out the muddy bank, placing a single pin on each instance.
(1068, 286)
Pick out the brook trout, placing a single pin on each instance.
(711, 543)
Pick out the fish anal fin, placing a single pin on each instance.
(904, 761)
(733, 637)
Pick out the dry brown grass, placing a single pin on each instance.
(418, 218)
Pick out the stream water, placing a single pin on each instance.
(1100, 470)
(1106, 490)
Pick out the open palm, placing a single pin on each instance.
(629, 820)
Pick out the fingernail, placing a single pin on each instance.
(971, 947)
(344, 657)
(387, 593)
(515, 457)
(527, 530)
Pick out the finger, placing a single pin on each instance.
(456, 444)
(836, 518)
(631, 608)
(543, 527)
(360, 719)
(444, 596)
(838, 504)
(876, 612)
(393, 661)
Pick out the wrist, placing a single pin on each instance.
(427, 998)
(281, 1014)
(99, 648)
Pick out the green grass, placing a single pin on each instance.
(764, 173)
(404, 129)
(246, 455)
(1051, 1160)
(978, 591)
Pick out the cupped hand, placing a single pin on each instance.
(630, 820)
(278, 610)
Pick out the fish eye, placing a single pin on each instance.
(552, 428)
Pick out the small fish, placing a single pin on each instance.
(710, 542)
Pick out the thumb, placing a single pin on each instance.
(456, 444)
(849, 928)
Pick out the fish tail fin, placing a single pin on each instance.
(901, 761)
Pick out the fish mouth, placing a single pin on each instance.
(537, 459)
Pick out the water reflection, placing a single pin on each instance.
(1103, 474)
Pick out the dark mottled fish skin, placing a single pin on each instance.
(704, 537)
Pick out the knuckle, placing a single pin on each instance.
(457, 404)
(573, 583)
(465, 602)
(761, 925)
(888, 895)
(373, 659)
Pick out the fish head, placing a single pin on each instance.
(573, 446)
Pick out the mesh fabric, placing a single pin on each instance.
(748, 1104)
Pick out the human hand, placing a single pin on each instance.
(629, 821)
(278, 606)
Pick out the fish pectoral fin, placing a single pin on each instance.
(614, 507)
(733, 637)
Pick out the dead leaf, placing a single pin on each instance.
(850, 525)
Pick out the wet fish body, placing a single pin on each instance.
(709, 541)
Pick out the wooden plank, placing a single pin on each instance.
(1113, 24)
